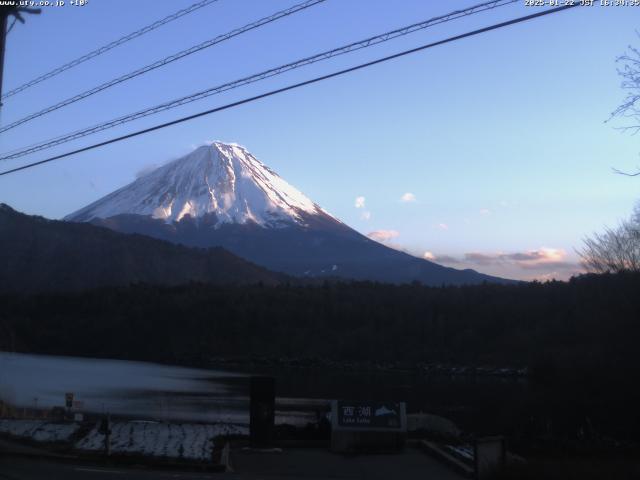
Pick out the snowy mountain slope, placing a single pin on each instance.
(220, 179)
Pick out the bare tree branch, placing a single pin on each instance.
(629, 71)
(614, 250)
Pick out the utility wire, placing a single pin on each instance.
(295, 86)
(165, 61)
(109, 46)
(255, 78)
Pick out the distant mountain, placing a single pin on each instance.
(37, 254)
(221, 195)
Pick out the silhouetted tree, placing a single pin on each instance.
(615, 250)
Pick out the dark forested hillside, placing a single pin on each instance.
(590, 321)
(37, 254)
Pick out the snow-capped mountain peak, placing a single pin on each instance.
(221, 178)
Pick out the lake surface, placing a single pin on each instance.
(162, 392)
(137, 389)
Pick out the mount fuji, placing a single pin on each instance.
(221, 195)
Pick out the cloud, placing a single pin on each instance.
(543, 263)
(543, 256)
(147, 169)
(548, 265)
(481, 258)
(359, 202)
(443, 226)
(366, 215)
(522, 256)
(448, 259)
(541, 259)
(545, 259)
(527, 259)
(444, 259)
(383, 236)
(485, 211)
(408, 197)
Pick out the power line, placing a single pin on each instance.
(167, 60)
(255, 78)
(109, 46)
(294, 86)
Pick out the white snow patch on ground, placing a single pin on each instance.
(171, 440)
(39, 430)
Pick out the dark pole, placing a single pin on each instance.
(3, 38)
(17, 12)
(261, 420)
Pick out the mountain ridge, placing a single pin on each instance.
(221, 195)
(38, 254)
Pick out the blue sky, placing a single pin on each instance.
(500, 139)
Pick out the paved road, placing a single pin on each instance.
(320, 464)
(291, 464)
(22, 468)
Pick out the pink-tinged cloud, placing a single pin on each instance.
(527, 259)
(546, 262)
(429, 256)
(443, 226)
(383, 236)
(408, 197)
(542, 259)
(366, 215)
(540, 264)
(485, 211)
(359, 202)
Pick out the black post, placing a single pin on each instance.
(3, 39)
(263, 409)
(107, 441)
(17, 12)
(105, 429)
